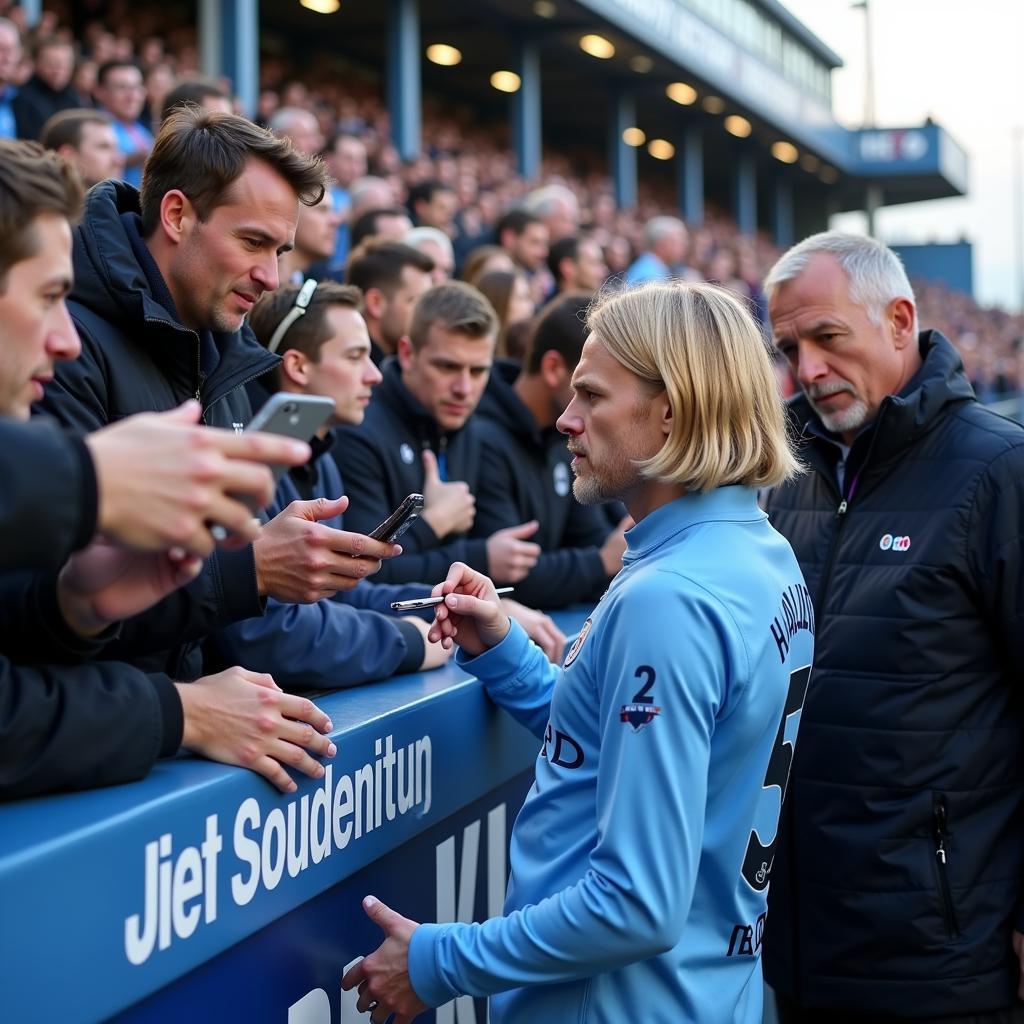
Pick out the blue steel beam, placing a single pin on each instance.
(526, 111)
(403, 77)
(622, 158)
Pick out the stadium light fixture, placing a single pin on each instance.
(545, 9)
(829, 175)
(634, 136)
(738, 126)
(810, 163)
(321, 6)
(681, 93)
(506, 81)
(661, 149)
(641, 63)
(713, 104)
(443, 54)
(785, 152)
(597, 46)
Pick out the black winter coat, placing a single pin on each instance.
(381, 461)
(47, 496)
(528, 477)
(897, 876)
(136, 357)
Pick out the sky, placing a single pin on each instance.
(962, 63)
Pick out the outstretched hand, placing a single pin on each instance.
(383, 977)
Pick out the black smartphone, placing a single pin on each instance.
(400, 520)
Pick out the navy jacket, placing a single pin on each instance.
(527, 475)
(897, 877)
(137, 357)
(382, 462)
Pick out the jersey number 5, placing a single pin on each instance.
(757, 863)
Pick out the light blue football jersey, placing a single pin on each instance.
(641, 858)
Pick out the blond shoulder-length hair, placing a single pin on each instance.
(698, 343)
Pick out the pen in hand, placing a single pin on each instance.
(429, 602)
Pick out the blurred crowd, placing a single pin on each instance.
(130, 63)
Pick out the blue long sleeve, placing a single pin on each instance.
(633, 899)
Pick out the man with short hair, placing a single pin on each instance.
(86, 139)
(433, 204)
(526, 468)
(577, 264)
(392, 276)
(418, 436)
(80, 725)
(524, 237)
(382, 222)
(897, 888)
(49, 90)
(201, 90)
(666, 242)
(121, 92)
(301, 127)
(314, 242)
(438, 246)
(345, 157)
(641, 857)
(10, 58)
(164, 280)
(559, 209)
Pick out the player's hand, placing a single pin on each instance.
(471, 614)
(382, 978)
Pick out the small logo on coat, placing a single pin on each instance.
(408, 455)
(238, 427)
(889, 542)
(561, 478)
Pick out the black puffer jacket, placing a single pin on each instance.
(137, 357)
(897, 877)
(381, 461)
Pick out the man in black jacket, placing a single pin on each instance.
(163, 282)
(419, 436)
(896, 889)
(66, 725)
(526, 465)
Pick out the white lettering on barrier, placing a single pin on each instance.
(180, 892)
(164, 903)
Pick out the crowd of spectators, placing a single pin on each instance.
(463, 183)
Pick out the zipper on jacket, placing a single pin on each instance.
(941, 836)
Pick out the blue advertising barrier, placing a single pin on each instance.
(201, 892)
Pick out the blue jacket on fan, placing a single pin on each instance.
(642, 855)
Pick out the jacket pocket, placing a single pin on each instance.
(940, 836)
